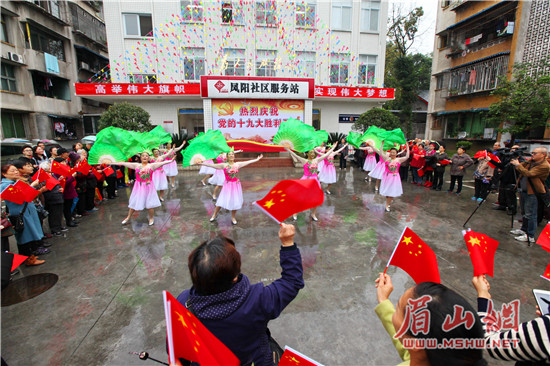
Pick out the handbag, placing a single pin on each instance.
(544, 197)
(42, 212)
(7, 226)
(17, 220)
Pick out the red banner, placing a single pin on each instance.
(136, 89)
(354, 92)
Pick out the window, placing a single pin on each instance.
(49, 86)
(91, 124)
(234, 62)
(4, 30)
(143, 78)
(369, 15)
(341, 15)
(306, 15)
(138, 25)
(481, 76)
(306, 64)
(8, 78)
(192, 11)
(367, 69)
(445, 3)
(12, 125)
(51, 6)
(44, 42)
(231, 13)
(266, 13)
(193, 64)
(339, 68)
(439, 82)
(265, 63)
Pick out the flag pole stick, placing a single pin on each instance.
(394, 249)
(145, 356)
(473, 213)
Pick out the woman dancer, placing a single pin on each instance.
(231, 196)
(370, 161)
(379, 170)
(207, 171)
(171, 169)
(328, 174)
(159, 176)
(311, 171)
(218, 177)
(144, 195)
(320, 150)
(391, 182)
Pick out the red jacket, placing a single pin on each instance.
(418, 160)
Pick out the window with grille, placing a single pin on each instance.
(266, 13)
(479, 77)
(265, 63)
(231, 12)
(367, 69)
(138, 25)
(12, 125)
(305, 64)
(194, 63)
(306, 13)
(8, 78)
(44, 42)
(370, 11)
(192, 11)
(142, 78)
(234, 62)
(339, 68)
(341, 15)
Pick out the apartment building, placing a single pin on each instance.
(476, 43)
(328, 57)
(47, 47)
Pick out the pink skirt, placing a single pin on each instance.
(218, 179)
(231, 196)
(321, 166)
(206, 170)
(391, 185)
(171, 169)
(328, 175)
(370, 163)
(159, 180)
(143, 196)
(379, 170)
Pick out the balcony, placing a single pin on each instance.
(88, 25)
(52, 8)
(457, 4)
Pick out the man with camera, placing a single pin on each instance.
(533, 173)
(507, 177)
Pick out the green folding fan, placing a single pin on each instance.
(204, 147)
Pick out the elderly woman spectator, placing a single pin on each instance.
(482, 177)
(28, 240)
(53, 200)
(69, 195)
(235, 311)
(459, 162)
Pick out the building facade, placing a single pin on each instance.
(340, 45)
(47, 47)
(476, 43)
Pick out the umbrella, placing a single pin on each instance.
(90, 138)
(14, 139)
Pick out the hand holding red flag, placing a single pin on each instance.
(291, 196)
(544, 238)
(480, 154)
(83, 167)
(416, 258)
(189, 339)
(97, 174)
(445, 162)
(494, 158)
(42, 176)
(108, 171)
(482, 250)
(292, 357)
(60, 169)
(421, 172)
(12, 194)
(28, 192)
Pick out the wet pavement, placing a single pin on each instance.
(108, 298)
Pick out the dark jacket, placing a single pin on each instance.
(239, 316)
(437, 159)
(53, 196)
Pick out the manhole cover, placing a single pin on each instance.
(28, 287)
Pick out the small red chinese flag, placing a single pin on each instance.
(494, 158)
(28, 192)
(97, 174)
(51, 183)
(83, 167)
(480, 154)
(60, 169)
(445, 162)
(17, 260)
(108, 171)
(420, 172)
(413, 256)
(188, 338)
(546, 274)
(291, 196)
(12, 194)
(62, 183)
(119, 174)
(482, 250)
(41, 175)
(544, 238)
(292, 357)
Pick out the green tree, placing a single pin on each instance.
(377, 117)
(126, 116)
(524, 101)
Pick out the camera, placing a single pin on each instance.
(507, 153)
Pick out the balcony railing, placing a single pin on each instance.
(477, 77)
(88, 25)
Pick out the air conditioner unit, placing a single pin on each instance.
(84, 66)
(15, 57)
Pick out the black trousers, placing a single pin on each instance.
(438, 179)
(55, 216)
(111, 186)
(456, 178)
(81, 204)
(67, 204)
(343, 162)
(481, 189)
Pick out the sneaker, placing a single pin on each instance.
(64, 229)
(41, 251)
(479, 199)
(77, 216)
(93, 210)
(45, 244)
(457, 193)
(57, 233)
(523, 238)
(474, 198)
(517, 232)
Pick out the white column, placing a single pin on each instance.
(308, 112)
(207, 106)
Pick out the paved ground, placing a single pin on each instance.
(108, 299)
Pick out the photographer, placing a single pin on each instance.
(507, 178)
(531, 182)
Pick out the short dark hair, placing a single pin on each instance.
(26, 147)
(20, 163)
(61, 150)
(59, 160)
(440, 306)
(213, 265)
